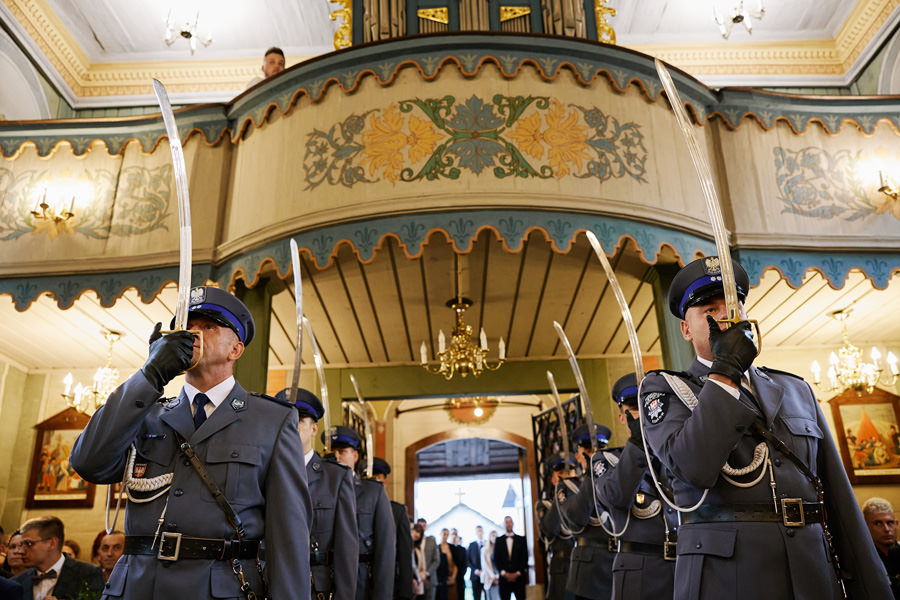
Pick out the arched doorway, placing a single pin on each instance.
(525, 468)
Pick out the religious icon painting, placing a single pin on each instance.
(53, 483)
(868, 431)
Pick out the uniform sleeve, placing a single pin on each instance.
(865, 573)
(288, 515)
(577, 507)
(549, 522)
(616, 488)
(346, 539)
(385, 548)
(693, 445)
(100, 452)
(404, 556)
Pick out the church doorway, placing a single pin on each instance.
(462, 482)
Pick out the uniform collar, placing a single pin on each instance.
(308, 456)
(216, 394)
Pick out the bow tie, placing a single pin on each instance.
(510, 535)
(51, 574)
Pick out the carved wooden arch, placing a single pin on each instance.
(527, 469)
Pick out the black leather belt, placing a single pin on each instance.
(794, 512)
(666, 550)
(318, 559)
(608, 544)
(365, 557)
(174, 546)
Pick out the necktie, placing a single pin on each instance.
(200, 401)
(51, 574)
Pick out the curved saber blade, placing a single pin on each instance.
(563, 428)
(323, 387)
(298, 300)
(184, 206)
(709, 191)
(370, 449)
(623, 306)
(582, 389)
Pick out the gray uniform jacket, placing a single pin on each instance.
(377, 541)
(334, 531)
(627, 491)
(251, 448)
(590, 572)
(753, 559)
(403, 575)
(559, 547)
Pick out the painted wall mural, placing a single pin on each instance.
(510, 136)
(132, 201)
(815, 183)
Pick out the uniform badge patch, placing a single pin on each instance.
(198, 295)
(655, 405)
(711, 265)
(238, 403)
(599, 468)
(172, 403)
(139, 471)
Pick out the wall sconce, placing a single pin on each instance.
(56, 214)
(885, 187)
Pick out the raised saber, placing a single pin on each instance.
(370, 449)
(184, 206)
(563, 428)
(701, 166)
(582, 389)
(323, 387)
(298, 300)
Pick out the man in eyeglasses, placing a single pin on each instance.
(50, 573)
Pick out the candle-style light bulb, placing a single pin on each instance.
(67, 380)
(892, 363)
(816, 371)
(833, 359)
(423, 353)
(441, 341)
(501, 349)
(875, 356)
(832, 377)
(483, 337)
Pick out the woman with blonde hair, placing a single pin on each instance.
(490, 578)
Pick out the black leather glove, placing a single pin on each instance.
(634, 426)
(733, 349)
(157, 333)
(169, 355)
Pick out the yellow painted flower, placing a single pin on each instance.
(422, 138)
(528, 136)
(383, 142)
(566, 138)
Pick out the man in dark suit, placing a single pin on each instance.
(473, 557)
(10, 590)
(511, 560)
(459, 557)
(179, 540)
(50, 572)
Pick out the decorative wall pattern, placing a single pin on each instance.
(132, 201)
(815, 183)
(510, 136)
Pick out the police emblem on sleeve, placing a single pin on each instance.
(139, 471)
(655, 405)
(560, 495)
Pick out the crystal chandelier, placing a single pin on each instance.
(85, 398)
(463, 355)
(847, 369)
(739, 15)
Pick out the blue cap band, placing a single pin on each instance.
(229, 316)
(300, 404)
(702, 282)
(344, 439)
(600, 437)
(629, 391)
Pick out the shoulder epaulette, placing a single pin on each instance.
(683, 374)
(771, 370)
(272, 399)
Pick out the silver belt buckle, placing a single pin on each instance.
(169, 550)
(612, 544)
(792, 514)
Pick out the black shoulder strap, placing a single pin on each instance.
(760, 428)
(210, 484)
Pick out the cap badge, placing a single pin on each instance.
(198, 295)
(238, 404)
(711, 265)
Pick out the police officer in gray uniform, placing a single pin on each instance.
(590, 575)
(644, 564)
(779, 516)
(377, 529)
(558, 539)
(179, 540)
(333, 536)
(403, 573)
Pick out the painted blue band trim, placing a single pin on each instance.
(225, 313)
